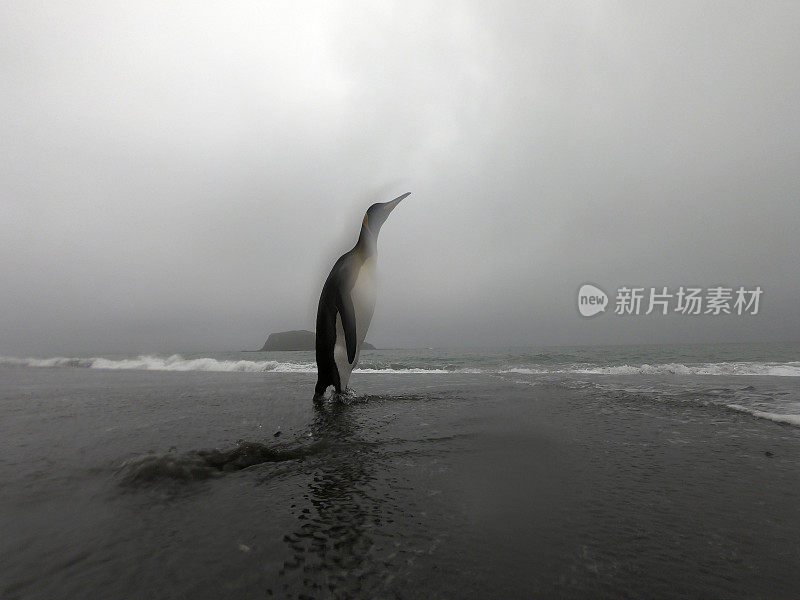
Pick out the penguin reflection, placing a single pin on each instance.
(332, 544)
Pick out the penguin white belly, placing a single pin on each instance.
(363, 295)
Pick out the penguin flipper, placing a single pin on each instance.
(348, 314)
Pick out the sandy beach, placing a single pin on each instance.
(452, 486)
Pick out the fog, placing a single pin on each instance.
(181, 176)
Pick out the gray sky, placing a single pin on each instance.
(180, 176)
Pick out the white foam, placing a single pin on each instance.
(56, 361)
(790, 369)
(176, 362)
(410, 370)
(788, 419)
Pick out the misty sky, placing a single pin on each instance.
(180, 176)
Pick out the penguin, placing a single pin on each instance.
(347, 302)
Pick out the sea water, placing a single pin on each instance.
(614, 472)
(761, 379)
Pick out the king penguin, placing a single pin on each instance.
(347, 303)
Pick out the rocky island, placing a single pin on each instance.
(296, 340)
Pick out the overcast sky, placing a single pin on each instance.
(180, 176)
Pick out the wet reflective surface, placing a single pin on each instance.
(198, 485)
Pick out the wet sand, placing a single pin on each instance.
(447, 487)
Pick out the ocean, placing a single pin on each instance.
(561, 472)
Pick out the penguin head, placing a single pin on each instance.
(377, 214)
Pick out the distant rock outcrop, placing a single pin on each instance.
(296, 340)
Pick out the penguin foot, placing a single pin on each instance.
(346, 396)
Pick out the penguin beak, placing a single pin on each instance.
(390, 205)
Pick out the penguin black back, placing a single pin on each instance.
(346, 304)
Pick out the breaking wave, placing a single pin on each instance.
(176, 362)
(170, 363)
(782, 418)
(789, 369)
